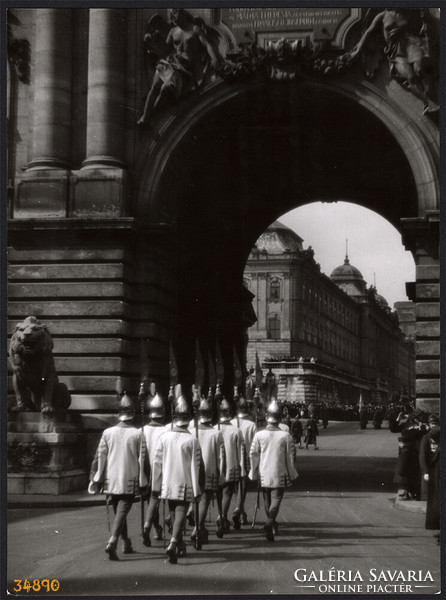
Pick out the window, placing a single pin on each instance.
(274, 290)
(274, 328)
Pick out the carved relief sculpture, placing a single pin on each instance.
(408, 37)
(35, 381)
(181, 57)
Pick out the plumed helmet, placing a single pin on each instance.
(126, 408)
(181, 412)
(273, 412)
(242, 407)
(225, 411)
(156, 407)
(205, 411)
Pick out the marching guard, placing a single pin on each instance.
(118, 472)
(152, 433)
(235, 452)
(248, 428)
(213, 455)
(272, 461)
(176, 474)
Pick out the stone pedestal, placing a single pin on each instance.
(42, 193)
(45, 454)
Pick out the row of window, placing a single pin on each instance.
(326, 304)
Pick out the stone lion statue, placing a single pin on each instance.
(35, 381)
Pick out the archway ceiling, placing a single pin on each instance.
(264, 153)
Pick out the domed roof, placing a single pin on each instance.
(279, 239)
(349, 278)
(346, 272)
(380, 300)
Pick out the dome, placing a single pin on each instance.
(349, 279)
(346, 272)
(279, 239)
(380, 300)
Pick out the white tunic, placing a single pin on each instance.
(176, 467)
(118, 460)
(235, 451)
(248, 429)
(152, 434)
(272, 454)
(213, 455)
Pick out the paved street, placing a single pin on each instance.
(339, 515)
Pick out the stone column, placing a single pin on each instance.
(261, 282)
(52, 76)
(286, 332)
(42, 191)
(421, 236)
(99, 188)
(106, 88)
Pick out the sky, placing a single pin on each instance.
(374, 245)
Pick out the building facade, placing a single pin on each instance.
(334, 331)
(132, 211)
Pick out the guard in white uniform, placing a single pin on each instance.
(152, 433)
(235, 451)
(248, 428)
(176, 474)
(118, 472)
(272, 460)
(213, 455)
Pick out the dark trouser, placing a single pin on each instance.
(121, 507)
(177, 510)
(203, 507)
(153, 510)
(272, 498)
(226, 493)
(241, 493)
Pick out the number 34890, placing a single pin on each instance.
(37, 585)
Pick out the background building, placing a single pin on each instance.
(326, 338)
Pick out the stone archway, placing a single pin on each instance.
(228, 163)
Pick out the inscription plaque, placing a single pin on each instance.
(323, 23)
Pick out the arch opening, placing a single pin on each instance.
(237, 168)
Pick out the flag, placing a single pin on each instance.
(259, 373)
(199, 367)
(173, 369)
(237, 368)
(219, 365)
(211, 372)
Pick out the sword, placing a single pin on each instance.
(258, 481)
(199, 377)
(142, 399)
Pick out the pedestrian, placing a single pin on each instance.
(378, 417)
(311, 433)
(176, 474)
(152, 433)
(408, 474)
(297, 431)
(214, 462)
(430, 469)
(363, 418)
(118, 472)
(235, 452)
(247, 426)
(324, 416)
(272, 463)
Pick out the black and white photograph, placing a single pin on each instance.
(220, 299)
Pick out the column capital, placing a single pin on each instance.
(422, 233)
